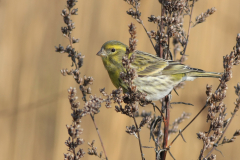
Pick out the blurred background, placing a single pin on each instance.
(34, 107)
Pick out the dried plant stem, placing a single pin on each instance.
(166, 127)
(166, 99)
(95, 125)
(160, 54)
(216, 144)
(141, 22)
(70, 39)
(74, 152)
(169, 44)
(139, 139)
(158, 141)
(187, 126)
(148, 35)
(189, 28)
(99, 136)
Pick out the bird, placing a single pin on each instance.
(156, 76)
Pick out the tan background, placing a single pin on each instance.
(34, 108)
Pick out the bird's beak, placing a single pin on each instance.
(101, 53)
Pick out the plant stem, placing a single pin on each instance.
(148, 35)
(189, 28)
(187, 126)
(160, 54)
(145, 28)
(74, 152)
(167, 112)
(99, 136)
(166, 126)
(139, 140)
(215, 146)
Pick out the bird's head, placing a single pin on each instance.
(111, 49)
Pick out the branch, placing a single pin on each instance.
(139, 140)
(166, 127)
(186, 126)
(99, 136)
(189, 28)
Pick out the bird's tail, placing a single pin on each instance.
(204, 74)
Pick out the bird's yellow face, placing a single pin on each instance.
(112, 53)
(112, 48)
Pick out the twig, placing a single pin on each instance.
(189, 28)
(216, 144)
(154, 105)
(187, 126)
(170, 53)
(95, 125)
(159, 132)
(160, 54)
(182, 103)
(139, 140)
(144, 28)
(99, 136)
(148, 35)
(73, 149)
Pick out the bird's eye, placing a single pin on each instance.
(113, 50)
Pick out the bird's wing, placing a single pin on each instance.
(147, 64)
(150, 65)
(178, 68)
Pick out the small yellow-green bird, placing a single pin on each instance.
(156, 76)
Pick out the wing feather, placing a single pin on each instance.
(150, 65)
(178, 68)
(147, 64)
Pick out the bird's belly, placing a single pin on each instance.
(155, 87)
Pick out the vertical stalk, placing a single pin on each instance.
(189, 28)
(139, 140)
(161, 29)
(166, 99)
(166, 126)
(99, 136)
